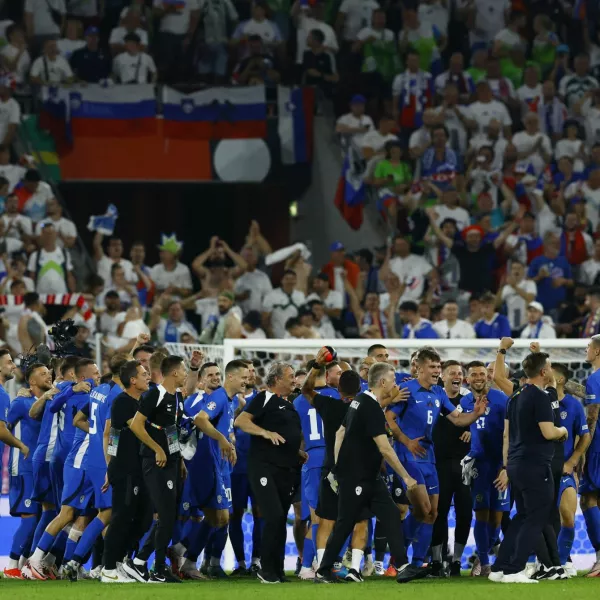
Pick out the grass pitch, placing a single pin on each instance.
(464, 588)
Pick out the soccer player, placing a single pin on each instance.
(380, 354)
(412, 424)
(363, 371)
(314, 445)
(20, 432)
(487, 434)
(589, 487)
(572, 417)
(75, 495)
(450, 444)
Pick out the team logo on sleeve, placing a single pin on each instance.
(211, 405)
(263, 481)
(27, 503)
(358, 490)
(170, 484)
(136, 490)
(563, 415)
(81, 499)
(437, 403)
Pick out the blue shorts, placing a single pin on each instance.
(311, 482)
(42, 484)
(485, 495)
(20, 495)
(186, 507)
(56, 477)
(590, 480)
(424, 473)
(77, 492)
(211, 486)
(566, 481)
(240, 491)
(96, 478)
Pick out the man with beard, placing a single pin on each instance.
(227, 325)
(487, 434)
(451, 443)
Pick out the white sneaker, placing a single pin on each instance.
(530, 569)
(518, 578)
(306, 574)
(114, 576)
(82, 574)
(347, 560)
(570, 569)
(369, 567)
(379, 570)
(496, 577)
(95, 573)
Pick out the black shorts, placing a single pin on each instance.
(327, 507)
(398, 492)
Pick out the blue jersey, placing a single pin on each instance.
(487, 432)
(193, 404)
(423, 331)
(312, 430)
(401, 377)
(51, 423)
(68, 403)
(592, 396)
(81, 439)
(364, 385)
(242, 439)
(547, 294)
(418, 415)
(101, 399)
(497, 328)
(572, 416)
(25, 429)
(4, 406)
(220, 409)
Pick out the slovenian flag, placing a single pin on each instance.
(113, 111)
(216, 113)
(351, 191)
(104, 224)
(54, 114)
(295, 125)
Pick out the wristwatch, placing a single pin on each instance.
(501, 351)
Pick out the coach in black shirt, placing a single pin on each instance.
(156, 426)
(360, 444)
(274, 460)
(532, 434)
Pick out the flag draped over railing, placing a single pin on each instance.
(351, 190)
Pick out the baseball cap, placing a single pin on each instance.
(92, 31)
(563, 49)
(323, 276)
(336, 247)
(536, 306)
(358, 99)
(132, 37)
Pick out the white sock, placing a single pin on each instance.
(38, 555)
(49, 559)
(139, 562)
(320, 553)
(13, 563)
(215, 562)
(22, 562)
(179, 549)
(75, 534)
(357, 556)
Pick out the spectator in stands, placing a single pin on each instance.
(369, 271)
(575, 244)
(420, 140)
(534, 148)
(40, 23)
(591, 323)
(485, 18)
(456, 75)
(118, 283)
(216, 19)
(65, 228)
(318, 65)
(509, 37)
(131, 23)
(51, 67)
(448, 207)
(588, 273)
(423, 38)
(14, 56)
(440, 163)
(178, 23)
(414, 326)
(537, 328)
(516, 294)
(258, 25)
(145, 285)
(322, 323)
(15, 225)
(16, 269)
(32, 328)
(339, 265)
(170, 275)
(573, 87)
(73, 39)
(282, 304)
(10, 112)
(371, 320)
(259, 67)
(352, 16)
(552, 112)
(492, 325)
(458, 118)
(588, 108)
(226, 323)
(451, 327)
(175, 328)
(531, 92)
(112, 320)
(552, 274)
(114, 255)
(251, 326)
(486, 108)
(50, 267)
(34, 195)
(331, 300)
(354, 125)
(91, 63)
(502, 87)
(373, 143)
(253, 285)
(134, 65)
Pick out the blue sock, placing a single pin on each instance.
(532, 558)
(218, 541)
(421, 543)
(46, 542)
(592, 523)
(45, 519)
(566, 537)
(69, 550)
(309, 552)
(178, 530)
(88, 539)
(22, 535)
(409, 525)
(481, 533)
(236, 535)
(345, 546)
(314, 528)
(204, 531)
(60, 543)
(494, 534)
(257, 537)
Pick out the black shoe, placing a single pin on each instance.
(216, 572)
(253, 570)
(298, 566)
(354, 576)
(556, 574)
(327, 577)
(455, 568)
(542, 573)
(138, 572)
(162, 574)
(410, 573)
(283, 578)
(436, 570)
(264, 577)
(240, 572)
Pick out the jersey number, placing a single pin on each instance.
(314, 425)
(429, 417)
(93, 408)
(480, 423)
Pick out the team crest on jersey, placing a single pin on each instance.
(219, 499)
(398, 491)
(136, 489)
(81, 499)
(186, 506)
(358, 490)
(170, 484)
(437, 403)
(563, 415)
(263, 481)
(27, 503)
(487, 410)
(211, 405)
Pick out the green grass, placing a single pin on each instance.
(241, 589)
